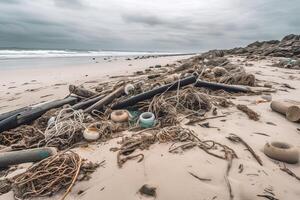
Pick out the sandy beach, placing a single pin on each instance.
(218, 137)
(48, 79)
(169, 172)
(149, 100)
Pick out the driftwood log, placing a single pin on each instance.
(290, 109)
(87, 103)
(150, 94)
(25, 156)
(106, 100)
(80, 91)
(28, 116)
(220, 86)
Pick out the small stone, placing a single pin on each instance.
(148, 190)
(268, 85)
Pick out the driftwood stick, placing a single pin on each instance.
(235, 138)
(191, 122)
(288, 171)
(80, 91)
(267, 196)
(230, 158)
(197, 177)
(106, 100)
(220, 86)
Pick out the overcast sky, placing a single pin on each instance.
(172, 25)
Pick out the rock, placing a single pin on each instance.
(183, 67)
(157, 66)
(268, 85)
(153, 76)
(139, 72)
(148, 190)
(288, 47)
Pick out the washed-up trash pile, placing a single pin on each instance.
(155, 106)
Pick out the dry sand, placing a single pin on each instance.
(23, 87)
(170, 172)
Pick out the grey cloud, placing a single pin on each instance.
(69, 4)
(138, 25)
(146, 19)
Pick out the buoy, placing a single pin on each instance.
(91, 133)
(129, 88)
(119, 116)
(147, 120)
(51, 121)
(282, 151)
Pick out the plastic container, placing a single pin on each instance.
(147, 120)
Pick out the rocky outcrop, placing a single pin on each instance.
(288, 47)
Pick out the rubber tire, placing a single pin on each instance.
(119, 116)
(91, 134)
(282, 151)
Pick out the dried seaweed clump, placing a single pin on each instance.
(238, 79)
(251, 114)
(165, 112)
(174, 134)
(49, 176)
(25, 135)
(191, 99)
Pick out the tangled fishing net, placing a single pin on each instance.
(66, 129)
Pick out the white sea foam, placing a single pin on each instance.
(11, 54)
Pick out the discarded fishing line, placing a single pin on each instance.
(235, 138)
(251, 114)
(66, 130)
